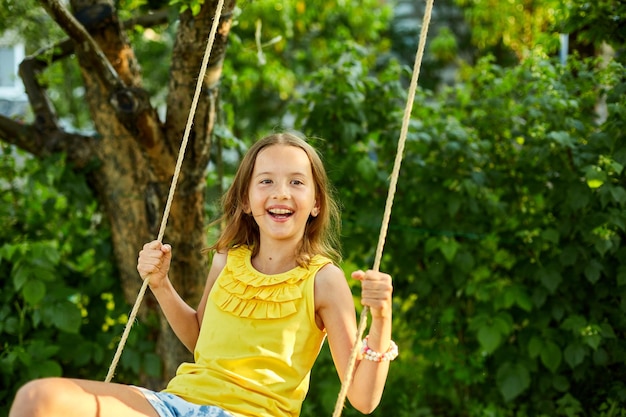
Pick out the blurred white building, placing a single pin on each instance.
(13, 100)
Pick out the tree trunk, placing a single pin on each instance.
(134, 151)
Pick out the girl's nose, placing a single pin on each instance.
(281, 192)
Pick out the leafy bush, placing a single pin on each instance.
(506, 241)
(61, 306)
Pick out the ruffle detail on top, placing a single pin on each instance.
(245, 292)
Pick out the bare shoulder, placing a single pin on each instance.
(334, 309)
(331, 286)
(219, 260)
(329, 276)
(217, 265)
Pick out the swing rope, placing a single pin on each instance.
(347, 380)
(170, 197)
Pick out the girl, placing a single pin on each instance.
(273, 294)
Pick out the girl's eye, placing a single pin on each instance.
(297, 182)
(266, 181)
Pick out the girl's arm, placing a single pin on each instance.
(154, 262)
(335, 308)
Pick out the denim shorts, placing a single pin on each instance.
(169, 405)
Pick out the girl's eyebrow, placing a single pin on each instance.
(295, 173)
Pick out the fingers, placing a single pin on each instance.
(157, 245)
(154, 258)
(376, 291)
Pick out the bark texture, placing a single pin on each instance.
(134, 151)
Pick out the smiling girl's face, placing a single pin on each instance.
(281, 195)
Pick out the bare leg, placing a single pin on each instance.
(64, 397)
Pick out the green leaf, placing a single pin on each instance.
(152, 364)
(617, 167)
(539, 296)
(98, 353)
(560, 383)
(593, 341)
(11, 326)
(195, 8)
(448, 248)
(574, 354)
(504, 258)
(603, 245)
(562, 138)
(48, 368)
(7, 251)
(551, 235)
(503, 322)
(535, 346)
(569, 255)
(25, 358)
(524, 302)
(366, 168)
(550, 279)
(20, 275)
(578, 197)
(431, 244)
(40, 349)
(512, 380)
(465, 262)
(618, 194)
(34, 291)
(45, 254)
(593, 270)
(489, 338)
(574, 323)
(551, 356)
(607, 331)
(82, 354)
(600, 357)
(454, 204)
(557, 312)
(595, 176)
(131, 360)
(517, 295)
(64, 316)
(621, 276)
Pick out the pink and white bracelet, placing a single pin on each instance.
(372, 355)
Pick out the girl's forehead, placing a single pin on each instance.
(282, 157)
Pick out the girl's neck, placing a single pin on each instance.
(275, 259)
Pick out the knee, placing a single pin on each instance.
(35, 398)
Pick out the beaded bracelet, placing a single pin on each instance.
(372, 355)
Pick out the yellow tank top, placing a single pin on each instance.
(258, 341)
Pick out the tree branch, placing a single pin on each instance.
(29, 69)
(45, 116)
(131, 103)
(41, 143)
(44, 136)
(80, 36)
(65, 47)
(156, 18)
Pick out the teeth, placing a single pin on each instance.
(280, 211)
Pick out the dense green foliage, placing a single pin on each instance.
(61, 307)
(506, 236)
(506, 241)
(276, 45)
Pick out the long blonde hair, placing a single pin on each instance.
(321, 235)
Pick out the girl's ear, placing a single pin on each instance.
(316, 210)
(246, 209)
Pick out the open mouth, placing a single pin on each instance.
(279, 213)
